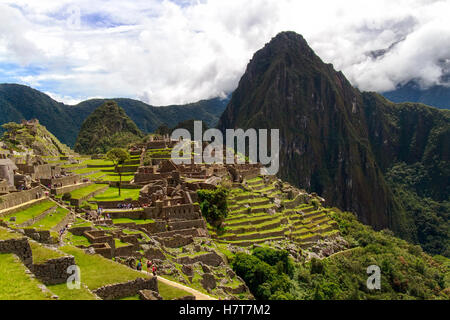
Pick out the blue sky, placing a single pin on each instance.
(166, 52)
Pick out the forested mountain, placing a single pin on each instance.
(18, 102)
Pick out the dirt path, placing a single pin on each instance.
(198, 295)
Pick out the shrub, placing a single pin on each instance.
(213, 204)
(66, 196)
(317, 266)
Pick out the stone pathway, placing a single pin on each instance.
(198, 295)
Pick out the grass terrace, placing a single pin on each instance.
(74, 240)
(127, 220)
(30, 213)
(112, 194)
(15, 284)
(51, 220)
(42, 254)
(114, 177)
(65, 293)
(86, 191)
(99, 163)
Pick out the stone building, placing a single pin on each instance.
(7, 170)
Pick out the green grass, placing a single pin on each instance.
(76, 240)
(5, 234)
(15, 284)
(97, 271)
(85, 191)
(31, 212)
(99, 162)
(119, 243)
(65, 293)
(51, 220)
(135, 297)
(112, 194)
(138, 221)
(116, 178)
(85, 170)
(168, 292)
(42, 254)
(95, 176)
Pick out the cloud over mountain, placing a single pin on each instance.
(179, 51)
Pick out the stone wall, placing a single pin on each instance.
(19, 247)
(37, 218)
(64, 222)
(181, 212)
(125, 251)
(179, 225)
(126, 289)
(70, 188)
(186, 232)
(42, 236)
(157, 226)
(53, 271)
(18, 198)
(176, 241)
(77, 202)
(210, 259)
(132, 214)
(79, 231)
(113, 204)
(64, 180)
(21, 208)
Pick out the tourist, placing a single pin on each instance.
(139, 266)
(154, 270)
(149, 265)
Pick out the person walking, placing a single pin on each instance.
(154, 270)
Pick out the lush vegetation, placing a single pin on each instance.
(406, 271)
(213, 204)
(267, 273)
(431, 216)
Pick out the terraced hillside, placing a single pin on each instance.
(260, 211)
(103, 171)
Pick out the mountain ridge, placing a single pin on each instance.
(20, 102)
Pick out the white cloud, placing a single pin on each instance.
(175, 52)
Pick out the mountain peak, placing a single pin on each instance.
(106, 127)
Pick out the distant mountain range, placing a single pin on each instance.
(19, 102)
(437, 96)
(387, 162)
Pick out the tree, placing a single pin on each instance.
(213, 204)
(118, 156)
